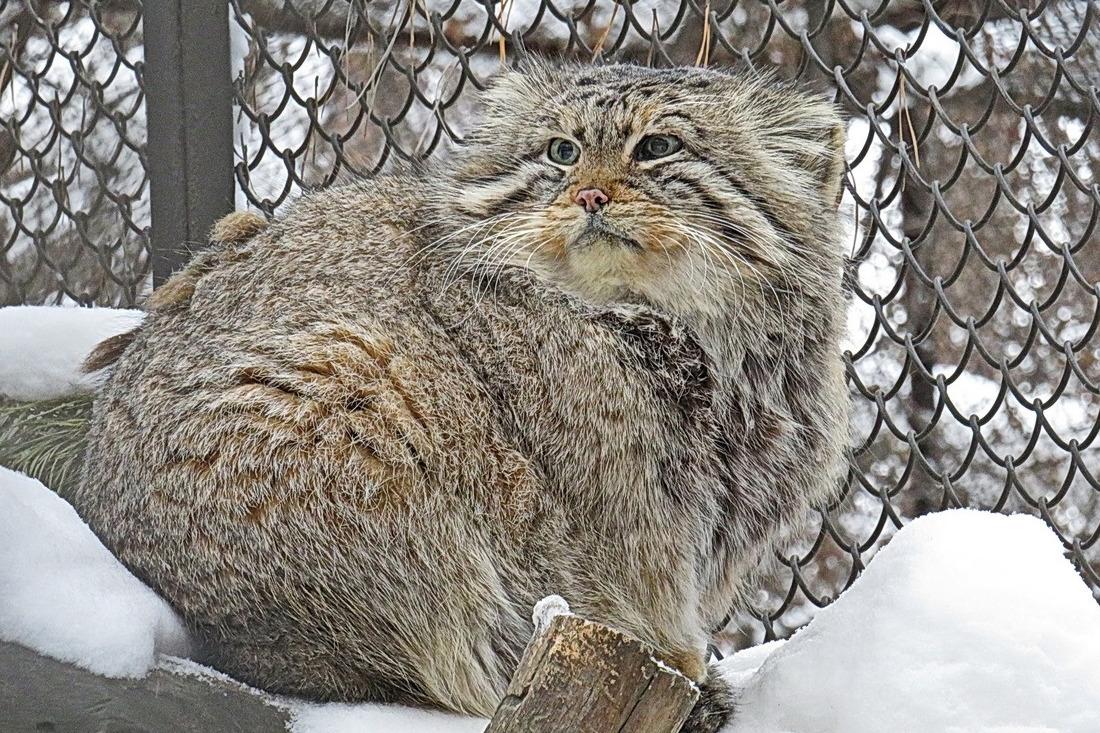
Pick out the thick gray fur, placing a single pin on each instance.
(353, 449)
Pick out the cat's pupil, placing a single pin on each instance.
(658, 146)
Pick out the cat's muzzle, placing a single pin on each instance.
(599, 230)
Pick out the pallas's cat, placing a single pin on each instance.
(596, 355)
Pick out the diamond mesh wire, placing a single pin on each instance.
(971, 205)
(73, 187)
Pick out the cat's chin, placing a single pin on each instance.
(607, 286)
(601, 234)
(609, 272)
(650, 285)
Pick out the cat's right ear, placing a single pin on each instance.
(522, 83)
(519, 78)
(816, 144)
(508, 90)
(516, 64)
(521, 62)
(503, 86)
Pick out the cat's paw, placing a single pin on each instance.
(668, 349)
(714, 708)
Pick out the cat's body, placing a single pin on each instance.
(355, 449)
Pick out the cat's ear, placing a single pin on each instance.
(519, 67)
(803, 129)
(505, 88)
(831, 168)
(819, 150)
(524, 79)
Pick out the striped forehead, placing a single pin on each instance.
(598, 113)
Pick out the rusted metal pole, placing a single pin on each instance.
(189, 108)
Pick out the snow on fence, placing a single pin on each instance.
(971, 198)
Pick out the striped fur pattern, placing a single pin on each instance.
(356, 446)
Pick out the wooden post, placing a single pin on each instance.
(584, 677)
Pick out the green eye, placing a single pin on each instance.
(657, 146)
(563, 152)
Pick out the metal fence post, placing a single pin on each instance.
(189, 107)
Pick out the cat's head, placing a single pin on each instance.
(684, 188)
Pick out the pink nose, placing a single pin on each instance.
(591, 199)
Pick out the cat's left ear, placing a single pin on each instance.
(823, 158)
(832, 180)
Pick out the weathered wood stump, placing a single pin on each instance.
(583, 677)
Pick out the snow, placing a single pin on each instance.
(42, 348)
(307, 717)
(966, 621)
(739, 668)
(366, 718)
(545, 611)
(63, 594)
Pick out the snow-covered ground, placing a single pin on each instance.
(344, 718)
(967, 622)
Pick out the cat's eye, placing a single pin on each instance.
(657, 146)
(563, 152)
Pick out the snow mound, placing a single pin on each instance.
(367, 718)
(63, 594)
(966, 621)
(42, 347)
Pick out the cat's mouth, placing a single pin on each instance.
(599, 230)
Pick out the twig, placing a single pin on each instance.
(376, 73)
(654, 37)
(502, 19)
(598, 48)
(703, 58)
(904, 103)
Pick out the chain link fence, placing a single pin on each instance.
(74, 191)
(971, 202)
